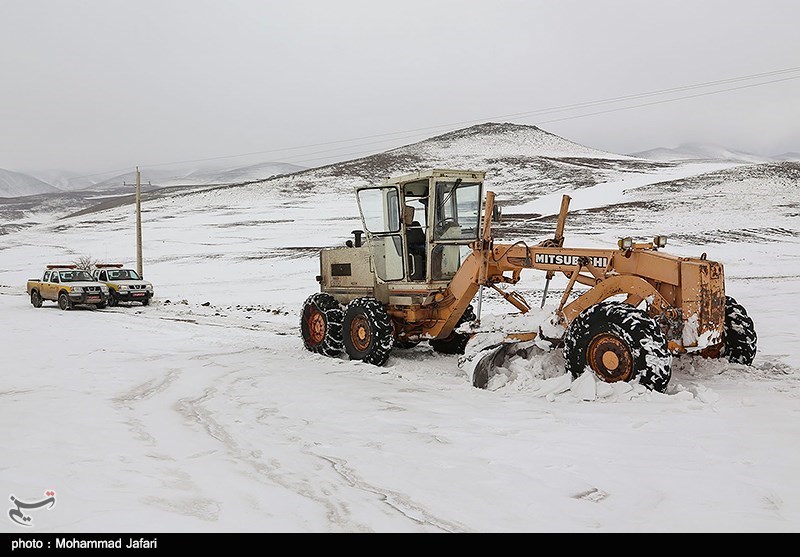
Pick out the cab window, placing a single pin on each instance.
(457, 211)
(380, 208)
(46, 276)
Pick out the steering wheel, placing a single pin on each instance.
(445, 223)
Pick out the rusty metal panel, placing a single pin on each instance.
(702, 303)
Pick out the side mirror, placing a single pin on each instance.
(358, 234)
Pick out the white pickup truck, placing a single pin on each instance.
(124, 284)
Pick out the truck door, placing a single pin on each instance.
(52, 286)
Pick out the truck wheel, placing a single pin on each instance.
(456, 342)
(739, 337)
(618, 343)
(321, 324)
(112, 300)
(36, 299)
(146, 302)
(368, 331)
(63, 301)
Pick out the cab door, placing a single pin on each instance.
(456, 218)
(381, 217)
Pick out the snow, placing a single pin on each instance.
(204, 413)
(13, 184)
(703, 151)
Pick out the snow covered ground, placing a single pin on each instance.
(203, 412)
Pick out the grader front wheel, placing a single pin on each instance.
(618, 343)
(739, 339)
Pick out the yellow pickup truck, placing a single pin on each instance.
(68, 286)
(124, 284)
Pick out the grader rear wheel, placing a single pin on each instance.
(618, 343)
(367, 331)
(321, 324)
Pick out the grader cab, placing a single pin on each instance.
(426, 250)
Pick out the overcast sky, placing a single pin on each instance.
(96, 85)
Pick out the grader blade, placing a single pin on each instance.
(486, 353)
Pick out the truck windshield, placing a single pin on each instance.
(74, 276)
(123, 274)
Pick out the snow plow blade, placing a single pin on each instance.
(486, 353)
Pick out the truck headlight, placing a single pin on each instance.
(76, 289)
(123, 287)
(625, 243)
(104, 289)
(660, 241)
(149, 286)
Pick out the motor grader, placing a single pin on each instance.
(426, 250)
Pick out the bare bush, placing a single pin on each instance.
(85, 262)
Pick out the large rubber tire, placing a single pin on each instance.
(63, 301)
(112, 300)
(146, 302)
(321, 324)
(456, 342)
(618, 343)
(367, 331)
(36, 299)
(739, 339)
(101, 305)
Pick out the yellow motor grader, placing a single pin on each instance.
(426, 250)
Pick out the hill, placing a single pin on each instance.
(14, 184)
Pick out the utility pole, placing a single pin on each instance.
(138, 222)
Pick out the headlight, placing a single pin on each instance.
(123, 287)
(76, 288)
(625, 243)
(660, 241)
(104, 289)
(149, 286)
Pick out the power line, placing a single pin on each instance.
(708, 93)
(519, 115)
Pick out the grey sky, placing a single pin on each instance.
(95, 85)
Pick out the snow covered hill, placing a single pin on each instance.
(702, 152)
(14, 184)
(523, 161)
(192, 175)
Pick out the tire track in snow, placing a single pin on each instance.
(193, 410)
(140, 392)
(337, 513)
(397, 501)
